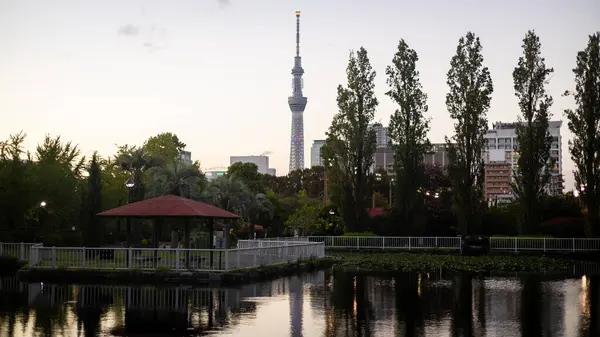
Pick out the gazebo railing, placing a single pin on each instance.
(165, 259)
(18, 250)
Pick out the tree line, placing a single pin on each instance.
(350, 146)
(53, 193)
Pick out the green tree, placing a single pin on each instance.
(228, 193)
(468, 102)
(137, 161)
(533, 139)
(177, 179)
(114, 191)
(255, 206)
(18, 201)
(248, 174)
(165, 146)
(92, 231)
(350, 145)
(53, 150)
(307, 216)
(408, 131)
(584, 123)
(57, 174)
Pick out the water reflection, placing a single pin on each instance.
(320, 304)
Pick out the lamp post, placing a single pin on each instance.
(40, 217)
(390, 190)
(377, 178)
(130, 184)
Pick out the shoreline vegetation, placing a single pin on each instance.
(409, 262)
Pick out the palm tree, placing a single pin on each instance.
(136, 161)
(255, 206)
(231, 194)
(177, 179)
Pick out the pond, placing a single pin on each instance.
(318, 304)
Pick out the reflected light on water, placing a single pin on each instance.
(493, 305)
(584, 297)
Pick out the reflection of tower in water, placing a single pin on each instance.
(296, 306)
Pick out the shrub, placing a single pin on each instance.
(563, 228)
(360, 234)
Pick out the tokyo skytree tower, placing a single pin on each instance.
(297, 103)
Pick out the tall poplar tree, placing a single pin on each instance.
(407, 131)
(584, 123)
(468, 101)
(350, 145)
(532, 176)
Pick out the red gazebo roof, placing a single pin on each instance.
(169, 206)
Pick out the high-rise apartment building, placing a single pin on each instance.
(262, 162)
(381, 134)
(315, 153)
(497, 177)
(503, 137)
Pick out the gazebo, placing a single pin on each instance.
(170, 207)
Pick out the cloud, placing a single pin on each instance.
(223, 3)
(129, 30)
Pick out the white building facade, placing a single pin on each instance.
(315, 153)
(262, 162)
(503, 138)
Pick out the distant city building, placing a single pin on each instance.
(497, 178)
(438, 155)
(315, 153)
(383, 159)
(381, 134)
(262, 162)
(503, 137)
(185, 157)
(384, 155)
(214, 173)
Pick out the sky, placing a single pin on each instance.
(218, 73)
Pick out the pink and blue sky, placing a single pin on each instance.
(217, 73)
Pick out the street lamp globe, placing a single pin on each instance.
(129, 183)
(43, 204)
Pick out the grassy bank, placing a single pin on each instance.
(432, 262)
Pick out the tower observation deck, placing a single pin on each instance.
(297, 103)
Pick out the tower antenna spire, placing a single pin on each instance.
(297, 33)
(297, 103)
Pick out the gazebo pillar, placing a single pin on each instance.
(210, 224)
(129, 239)
(186, 241)
(156, 230)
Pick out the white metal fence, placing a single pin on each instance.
(513, 244)
(172, 259)
(19, 250)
